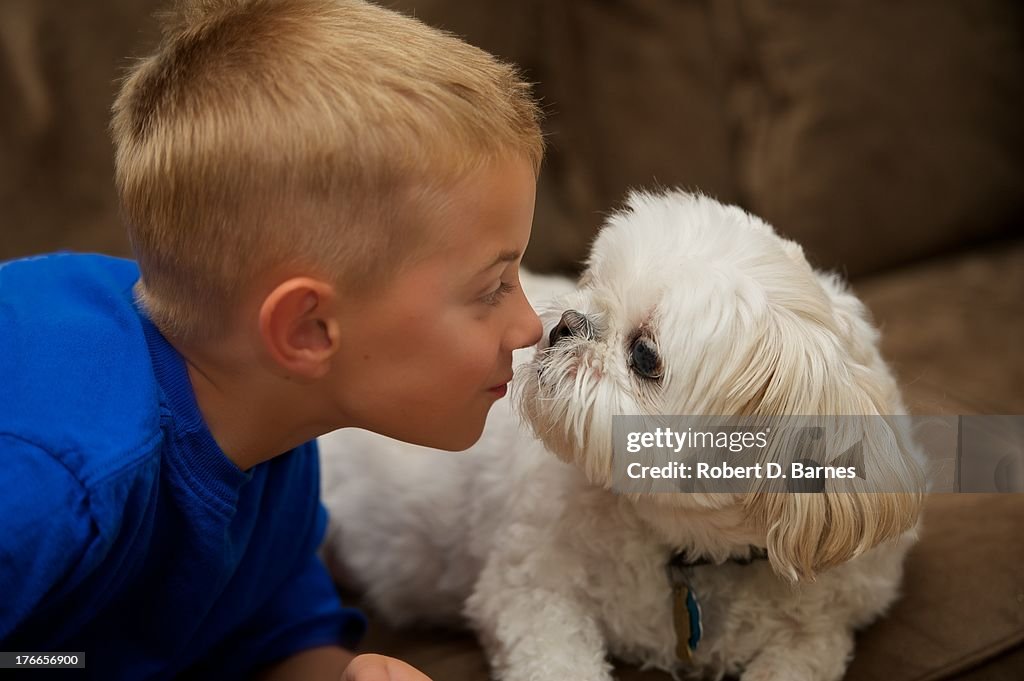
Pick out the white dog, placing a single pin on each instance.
(686, 307)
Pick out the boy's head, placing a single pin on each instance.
(334, 143)
(270, 132)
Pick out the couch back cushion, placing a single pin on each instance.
(877, 132)
(874, 133)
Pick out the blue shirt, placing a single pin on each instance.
(125, 532)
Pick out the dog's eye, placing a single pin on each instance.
(643, 358)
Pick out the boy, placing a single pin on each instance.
(328, 203)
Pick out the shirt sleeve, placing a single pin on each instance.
(45, 530)
(305, 613)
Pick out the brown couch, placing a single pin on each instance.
(883, 136)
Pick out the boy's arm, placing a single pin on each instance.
(302, 614)
(47, 537)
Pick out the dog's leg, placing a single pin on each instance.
(803, 656)
(532, 626)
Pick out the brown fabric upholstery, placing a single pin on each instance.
(59, 62)
(963, 593)
(953, 330)
(873, 133)
(635, 97)
(1006, 667)
(876, 132)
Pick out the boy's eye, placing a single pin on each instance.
(495, 296)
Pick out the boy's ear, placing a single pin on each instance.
(297, 327)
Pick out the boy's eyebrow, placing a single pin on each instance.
(504, 256)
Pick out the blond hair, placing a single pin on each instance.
(263, 133)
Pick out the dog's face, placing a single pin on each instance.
(690, 307)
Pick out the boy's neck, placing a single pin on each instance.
(252, 415)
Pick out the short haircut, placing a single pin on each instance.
(263, 134)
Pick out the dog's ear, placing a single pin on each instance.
(827, 364)
(808, 532)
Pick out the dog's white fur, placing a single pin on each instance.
(552, 569)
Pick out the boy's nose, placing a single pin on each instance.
(528, 328)
(535, 329)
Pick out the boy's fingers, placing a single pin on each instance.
(381, 668)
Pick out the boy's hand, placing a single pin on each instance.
(380, 668)
(325, 664)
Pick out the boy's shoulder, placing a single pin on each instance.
(78, 379)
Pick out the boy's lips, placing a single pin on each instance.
(501, 388)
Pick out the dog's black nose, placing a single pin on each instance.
(572, 323)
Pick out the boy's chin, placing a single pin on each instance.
(458, 441)
(452, 437)
(462, 436)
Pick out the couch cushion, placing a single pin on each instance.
(636, 98)
(963, 597)
(873, 133)
(963, 605)
(954, 330)
(878, 132)
(59, 65)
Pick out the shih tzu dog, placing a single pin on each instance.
(687, 307)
